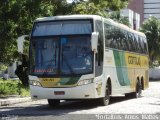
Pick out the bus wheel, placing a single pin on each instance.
(105, 100)
(138, 92)
(53, 102)
(138, 89)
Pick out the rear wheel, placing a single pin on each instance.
(138, 92)
(138, 89)
(53, 102)
(105, 100)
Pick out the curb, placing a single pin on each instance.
(11, 101)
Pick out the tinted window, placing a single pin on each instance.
(99, 54)
(62, 28)
(108, 34)
(136, 41)
(124, 40)
(112, 36)
(145, 45)
(118, 38)
(140, 47)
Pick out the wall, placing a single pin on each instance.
(154, 73)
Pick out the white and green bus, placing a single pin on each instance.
(80, 57)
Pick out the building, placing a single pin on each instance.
(138, 7)
(133, 17)
(151, 7)
(145, 8)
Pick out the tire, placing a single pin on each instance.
(53, 102)
(138, 89)
(138, 92)
(105, 100)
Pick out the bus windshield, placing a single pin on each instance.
(62, 28)
(61, 55)
(61, 48)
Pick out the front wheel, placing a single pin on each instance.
(53, 102)
(105, 100)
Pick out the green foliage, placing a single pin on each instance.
(11, 87)
(16, 19)
(91, 7)
(17, 16)
(98, 7)
(115, 15)
(25, 92)
(2, 67)
(151, 28)
(26, 47)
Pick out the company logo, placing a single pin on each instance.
(134, 60)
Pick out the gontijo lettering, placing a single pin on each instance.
(134, 60)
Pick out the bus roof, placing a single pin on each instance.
(96, 17)
(68, 17)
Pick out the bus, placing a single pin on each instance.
(86, 57)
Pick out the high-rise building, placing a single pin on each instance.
(151, 7)
(145, 8)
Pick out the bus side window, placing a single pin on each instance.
(129, 42)
(108, 34)
(118, 38)
(123, 41)
(135, 42)
(106, 31)
(100, 48)
(115, 37)
(125, 46)
(140, 45)
(145, 45)
(112, 43)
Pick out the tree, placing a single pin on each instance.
(90, 7)
(99, 7)
(105, 8)
(151, 28)
(17, 16)
(116, 16)
(16, 19)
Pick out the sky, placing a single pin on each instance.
(69, 1)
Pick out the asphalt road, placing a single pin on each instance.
(147, 107)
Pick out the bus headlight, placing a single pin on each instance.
(34, 83)
(85, 82)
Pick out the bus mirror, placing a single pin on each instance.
(94, 41)
(20, 42)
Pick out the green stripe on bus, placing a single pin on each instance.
(121, 68)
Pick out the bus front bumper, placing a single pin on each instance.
(77, 92)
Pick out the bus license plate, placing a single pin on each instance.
(59, 92)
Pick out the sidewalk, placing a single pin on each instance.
(4, 101)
